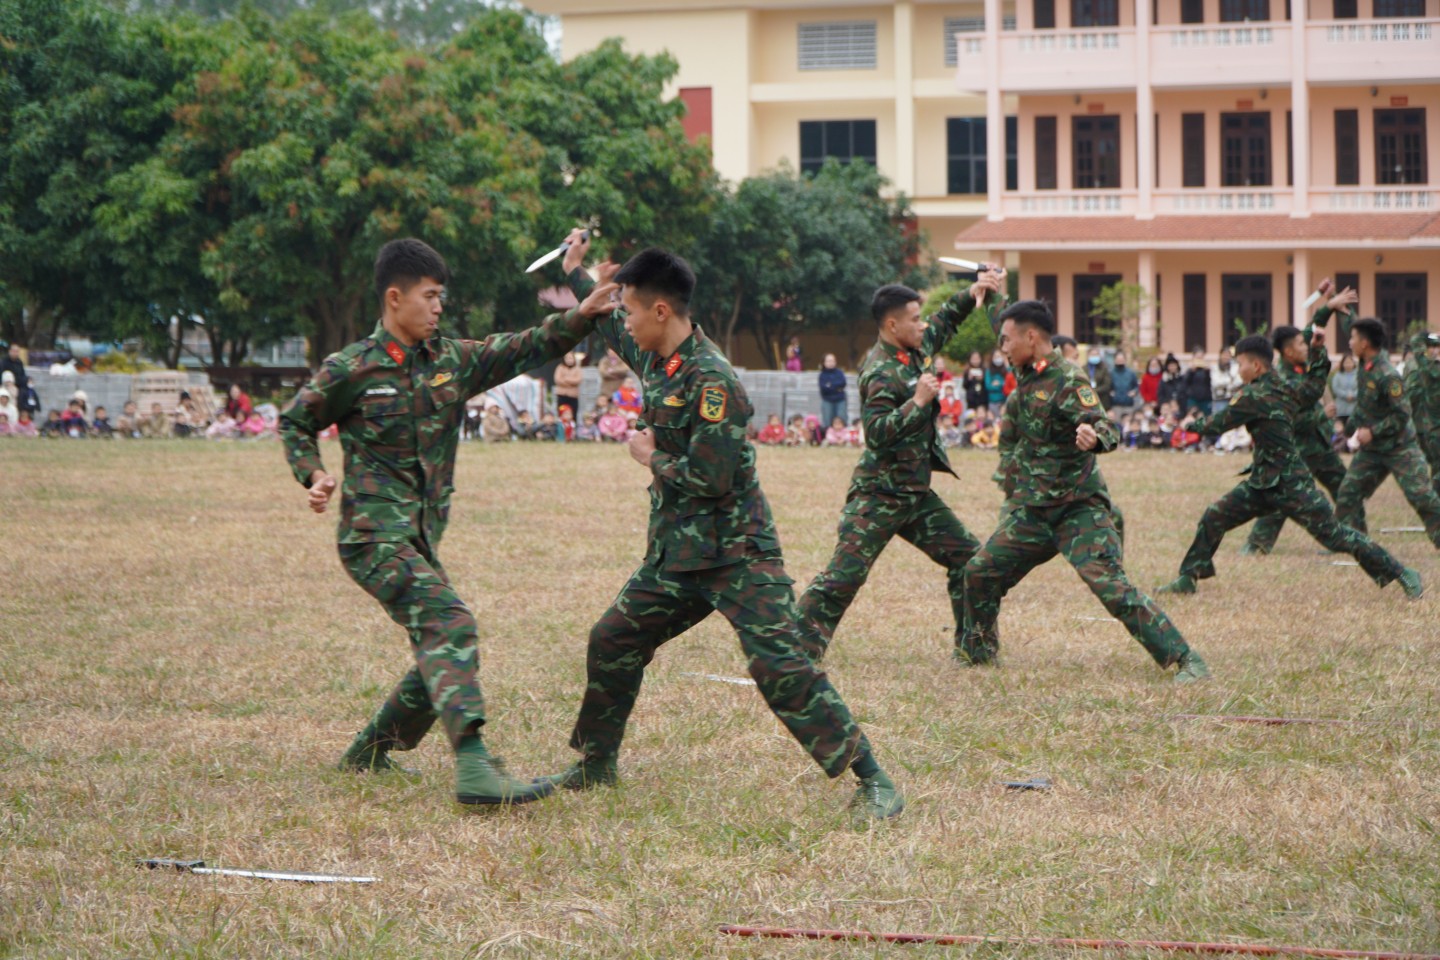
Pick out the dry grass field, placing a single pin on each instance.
(182, 661)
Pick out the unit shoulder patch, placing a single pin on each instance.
(1087, 397)
(712, 404)
(1396, 389)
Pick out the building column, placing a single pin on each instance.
(994, 112)
(1146, 279)
(904, 174)
(1300, 283)
(1144, 116)
(1299, 112)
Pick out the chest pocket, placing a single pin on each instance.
(672, 427)
(445, 396)
(384, 416)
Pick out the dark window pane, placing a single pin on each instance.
(1400, 156)
(1236, 11)
(965, 152)
(1347, 148)
(845, 140)
(1194, 308)
(1087, 288)
(1343, 280)
(1289, 149)
(1399, 8)
(1246, 297)
(1400, 302)
(812, 139)
(1012, 153)
(1047, 288)
(1044, 14)
(1096, 145)
(1094, 13)
(1045, 153)
(1192, 146)
(1245, 149)
(1192, 11)
(1346, 9)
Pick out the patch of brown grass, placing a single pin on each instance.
(182, 660)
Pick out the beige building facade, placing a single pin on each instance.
(1223, 154)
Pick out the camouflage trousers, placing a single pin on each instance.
(867, 524)
(412, 587)
(1369, 468)
(758, 599)
(1328, 470)
(1084, 533)
(1297, 499)
(1430, 447)
(1117, 517)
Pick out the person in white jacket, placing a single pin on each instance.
(1224, 381)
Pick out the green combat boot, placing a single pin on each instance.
(1253, 550)
(1410, 580)
(877, 798)
(369, 753)
(1192, 668)
(1181, 584)
(586, 774)
(480, 779)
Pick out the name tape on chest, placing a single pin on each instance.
(382, 392)
(712, 404)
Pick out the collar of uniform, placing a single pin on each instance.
(897, 353)
(383, 339)
(1036, 367)
(684, 352)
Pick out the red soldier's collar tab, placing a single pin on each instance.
(396, 352)
(1297, 368)
(1368, 365)
(1040, 366)
(903, 357)
(673, 364)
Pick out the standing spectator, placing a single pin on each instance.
(995, 376)
(494, 427)
(1172, 384)
(1344, 387)
(237, 404)
(15, 366)
(612, 373)
(832, 390)
(1225, 381)
(1124, 387)
(101, 425)
(29, 399)
(568, 375)
(1197, 383)
(942, 373)
(1150, 383)
(950, 405)
(773, 432)
(794, 360)
(1099, 372)
(974, 378)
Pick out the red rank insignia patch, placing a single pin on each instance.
(903, 357)
(1368, 365)
(397, 352)
(1041, 365)
(672, 365)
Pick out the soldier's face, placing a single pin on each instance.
(1296, 351)
(645, 318)
(1017, 343)
(415, 313)
(1250, 368)
(1359, 345)
(909, 326)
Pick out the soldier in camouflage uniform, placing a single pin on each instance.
(1422, 384)
(1059, 501)
(1312, 425)
(890, 491)
(712, 542)
(1268, 407)
(1381, 429)
(398, 397)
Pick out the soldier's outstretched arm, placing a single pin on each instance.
(502, 357)
(325, 399)
(1342, 303)
(1317, 374)
(707, 468)
(611, 327)
(944, 322)
(1242, 410)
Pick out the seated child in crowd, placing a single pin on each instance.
(773, 432)
(796, 435)
(101, 424)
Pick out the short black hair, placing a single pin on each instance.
(1030, 313)
(1372, 330)
(1060, 342)
(404, 263)
(659, 273)
(1282, 335)
(1258, 347)
(889, 298)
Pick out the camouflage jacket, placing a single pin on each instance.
(1381, 405)
(1266, 407)
(902, 444)
(1052, 398)
(399, 411)
(1306, 386)
(706, 506)
(1422, 383)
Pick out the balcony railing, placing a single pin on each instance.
(1372, 51)
(1225, 200)
(1052, 60)
(1040, 203)
(1387, 199)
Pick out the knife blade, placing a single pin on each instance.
(557, 252)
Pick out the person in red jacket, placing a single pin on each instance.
(238, 404)
(1150, 383)
(773, 432)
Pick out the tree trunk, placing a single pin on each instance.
(728, 337)
(239, 350)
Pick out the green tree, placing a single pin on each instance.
(789, 253)
(1118, 308)
(425, 23)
